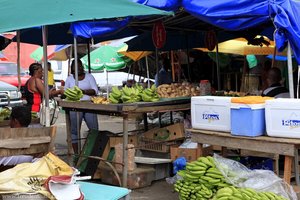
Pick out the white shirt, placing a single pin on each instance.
(87, 83)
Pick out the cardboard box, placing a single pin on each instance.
(189, 154)
(170, 132)
(113, 141)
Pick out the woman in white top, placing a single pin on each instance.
(88, 85)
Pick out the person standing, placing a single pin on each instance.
(51, 82)
(34, 87)
(88, 85)
(164, 75)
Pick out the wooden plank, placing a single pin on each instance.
(287, 173)
(244, 143)
(260, 138)
(23, 142)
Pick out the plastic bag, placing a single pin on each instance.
(179, 164)
(30, 177)
(260, 180)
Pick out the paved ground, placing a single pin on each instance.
(158, 189)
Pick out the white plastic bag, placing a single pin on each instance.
(260, 180)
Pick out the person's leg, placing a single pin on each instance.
(91, 121)
(74, 132)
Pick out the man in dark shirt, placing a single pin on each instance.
(275, 89)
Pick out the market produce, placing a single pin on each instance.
(99, 100)
(233, 193)
(229, 93)
(178, 90)
(203, 180)
(133, 94)
(73, 94)
(4, 113)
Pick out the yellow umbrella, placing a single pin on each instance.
(240, 46)
(133, 55)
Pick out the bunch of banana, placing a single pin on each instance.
(115, 95)
(99, 100)
(130, 95)
(204, 174)
(233, 193)
(150, 94)
(73, 94)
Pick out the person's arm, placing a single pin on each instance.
(39, 86)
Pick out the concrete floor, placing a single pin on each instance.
(158, 189)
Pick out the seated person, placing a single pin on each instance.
(20, 117)
(275, 89)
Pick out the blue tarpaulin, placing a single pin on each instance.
(242, 14)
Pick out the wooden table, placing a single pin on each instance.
(282, 146)
(124, 110)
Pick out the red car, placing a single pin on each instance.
(9, 74)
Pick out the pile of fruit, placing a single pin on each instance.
(73, 94)
(4, 113)
(133, 94)
(99, 100)
(178, 90)
(229, 93)
(203, 180)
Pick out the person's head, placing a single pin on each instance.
(273, 76)
(36, 69)
(20, 117)
(80, 67)
(49, 66)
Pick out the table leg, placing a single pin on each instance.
(296, 156)
(69, 137)
(145, 121)
(287, 173)
(125, 150)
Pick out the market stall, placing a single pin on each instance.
(126, 111)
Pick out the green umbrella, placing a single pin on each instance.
(106, 57)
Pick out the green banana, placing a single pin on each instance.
(153, 88)
(146, 97)
(112, 99)
(117, 93)
(116, 96)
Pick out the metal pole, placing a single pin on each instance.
(76, 83)
(125, 150)
(290, 70)
(147, 66)
(298, 86)
(89, 56)
(156, 63)
(46, 93)
(218, 66)
(18, 60)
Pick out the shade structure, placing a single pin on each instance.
(19, 15)
(106, 57)
(133, 55)
(55, 52)
(240, 46)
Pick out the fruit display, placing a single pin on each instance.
(133, 94)
(178, 90)
(99, 100)
(4, 113)
(229, 93)
(203, 180)
(73, 94)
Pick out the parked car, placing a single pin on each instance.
(9, 74)
(9, 95)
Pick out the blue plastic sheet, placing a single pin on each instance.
(167, 5)
(242, 14)
(92, 29)
(179, 164)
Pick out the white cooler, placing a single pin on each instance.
(283, 118)
(211, 113)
